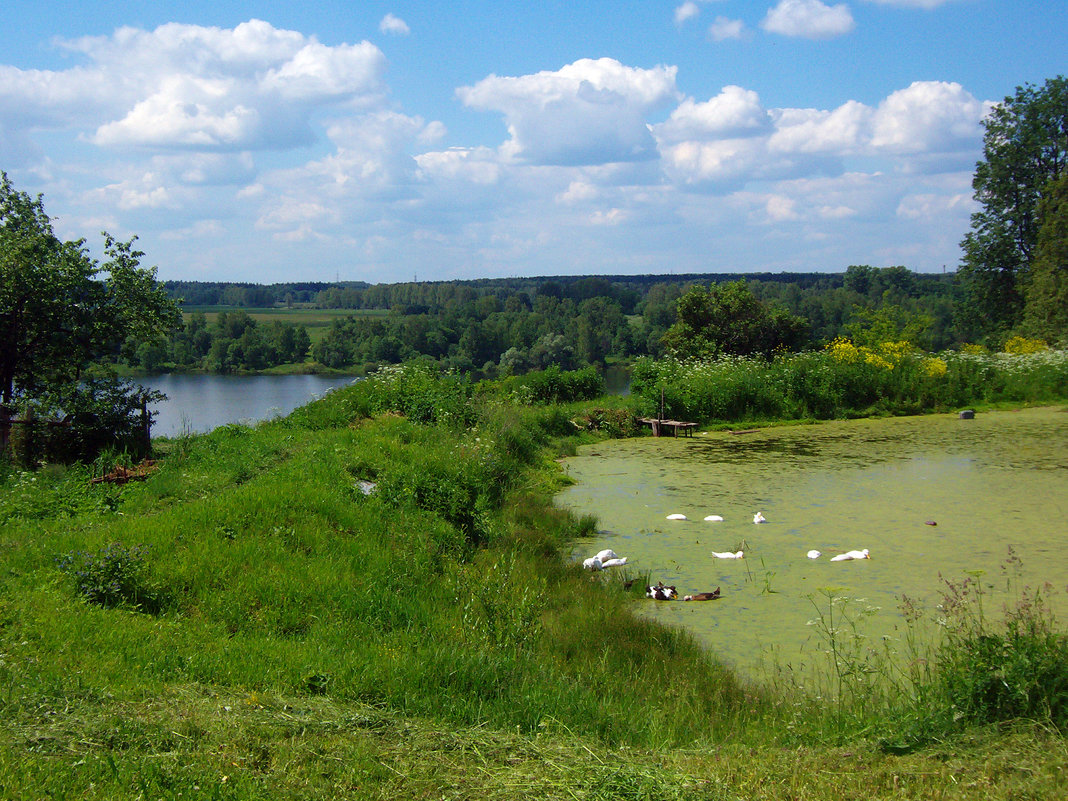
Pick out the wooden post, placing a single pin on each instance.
(146, 428)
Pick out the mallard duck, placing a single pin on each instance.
(703, 596)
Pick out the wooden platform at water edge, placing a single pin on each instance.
(661, 427)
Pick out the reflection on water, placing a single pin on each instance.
(197, 403)
(997, 481)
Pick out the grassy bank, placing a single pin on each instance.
(369, 598)
(844, 381)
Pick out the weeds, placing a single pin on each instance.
(114, 576)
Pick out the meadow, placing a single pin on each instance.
(370, 597)
(315, 320)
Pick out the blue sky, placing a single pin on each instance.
(384, 141)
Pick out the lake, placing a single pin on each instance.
(199, 403)
(931, 497)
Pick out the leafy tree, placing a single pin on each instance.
(1046, 311)
(1025, 147)
(59, 309)
(727, 319)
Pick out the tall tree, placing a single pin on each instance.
(59, 309)
(1025, 146)
(727, 319)
(1046, 295)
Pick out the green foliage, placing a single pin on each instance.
(1025, 147)
(549, 386)
(727, 319)
(314, 638)
(114, 576)
(98, 414)
(56, 314)
(991, 673)
(844, 381)
(1046, 293)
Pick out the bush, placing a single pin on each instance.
(992, 674)
(78, 422)
(115, 576)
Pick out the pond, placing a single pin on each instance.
(197, 403)
(931, 497)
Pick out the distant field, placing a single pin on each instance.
(315, 320)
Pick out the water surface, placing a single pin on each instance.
(197, 403)
(997, 481)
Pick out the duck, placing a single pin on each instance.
(728, 554)
(703, 596)
(618, 561)
(606, 554)
(759, 518)
(848, 556)
(714, 519)
(676, 516)
(593, 563)
(658, 592)
(813, 554)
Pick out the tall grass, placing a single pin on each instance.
(846, 381)
(371, 597)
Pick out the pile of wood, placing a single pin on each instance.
(120, 474)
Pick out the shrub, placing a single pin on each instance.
(992, 673)
(114, 576)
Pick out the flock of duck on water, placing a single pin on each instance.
(660, 592)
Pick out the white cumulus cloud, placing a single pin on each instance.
(193, 87)
(394, 24)
(723, 28)
(686, 11)
(592, 111)
(809, 19)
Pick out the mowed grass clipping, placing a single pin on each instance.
(307, 638)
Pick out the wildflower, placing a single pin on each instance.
(1021, 346)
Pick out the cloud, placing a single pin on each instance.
(193, 87)
(927, 117)
(686, 11)
(809, 19)
(723, 28)
(588, 112)
(395, 25)
(733, 112)
(926, 4)
(928, 127)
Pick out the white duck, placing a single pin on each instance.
(619, 561)
(676, 516)
(729, 555)
(593, 563)
(813, 554)
(849, 556)
(713, 519)
(759, 518)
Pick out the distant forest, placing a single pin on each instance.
(512, 325)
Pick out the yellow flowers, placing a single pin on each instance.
(842, 350)
(935, 367)
(885, 355)
(1021, 346)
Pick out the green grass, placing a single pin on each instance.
(305, 639)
